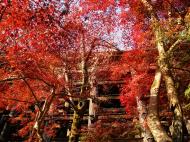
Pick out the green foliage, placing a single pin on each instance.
(187, 92)
(187, 95)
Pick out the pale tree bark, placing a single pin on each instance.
(153, 118)
(91, 105)
(40, 118)
(74, 133)
(142, 109)
(93, 92)
(175, 107)
(78, 115)
(88, 88)
(68, 82)
(76, 124)
(67, 104)
(172, 94)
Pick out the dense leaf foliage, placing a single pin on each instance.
(41, 41)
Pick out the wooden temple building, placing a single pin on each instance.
(107, 110)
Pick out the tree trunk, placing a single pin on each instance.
(40, 118)
(91, 110)
(152, 118)
(91, 113)
(36, 129)
(74, 133)
(177, 122)
(146, 134)
(175, 107)
(77, 118)
(172, 94)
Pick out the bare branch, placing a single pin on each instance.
(32, 92)
(12, 79)
(72, 104)
(186, 70)
(173, 47)
(17, 100)
(22, 78)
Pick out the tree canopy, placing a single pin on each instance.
(47, 48)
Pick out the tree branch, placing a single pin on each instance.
(173, 47)
(72, 104)
(32, 92)
(12, 79)
(21, 78)
(152, 118)
(17, 100)
(181, 69)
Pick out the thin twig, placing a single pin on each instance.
(173, 47)
(181, 69)
(12, 79)
(17, 100)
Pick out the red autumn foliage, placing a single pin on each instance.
(35, 37)
(134, 20)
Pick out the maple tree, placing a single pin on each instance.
(27, 73)
(47, 47)
(39, 65)
(165, 70)
(161, 25)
